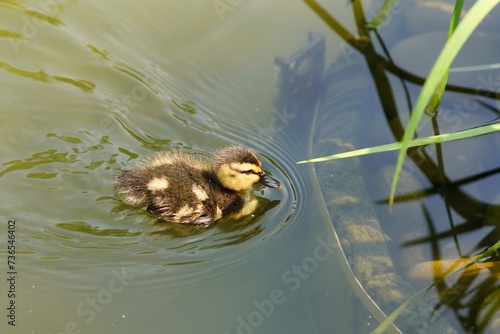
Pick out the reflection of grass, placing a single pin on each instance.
(392, 317)
(10, 34)
(41, 75)
(475, 15)
(40, 158)
(432, 108)
(474, 301)
(433, 90)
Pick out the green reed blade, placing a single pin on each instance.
(432, 108)
(471, 20)
(479, 131)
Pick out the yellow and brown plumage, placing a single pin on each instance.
(181, 188)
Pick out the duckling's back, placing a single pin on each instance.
(179, 188)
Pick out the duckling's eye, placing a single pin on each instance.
(248, 172)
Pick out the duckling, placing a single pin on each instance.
(181, 188)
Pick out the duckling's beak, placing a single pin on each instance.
(269, 181)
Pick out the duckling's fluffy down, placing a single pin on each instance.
(178, 187)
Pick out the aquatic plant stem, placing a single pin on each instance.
(381, 14)
(432, 108)
(471, 20)
(392, 317)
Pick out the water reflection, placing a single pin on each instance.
(222, 233)
(434, 225)
(85, 85)
(112, 85)
(83, 227)
(82, 158)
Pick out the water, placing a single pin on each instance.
(89, 88)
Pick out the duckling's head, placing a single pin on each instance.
(238, 169)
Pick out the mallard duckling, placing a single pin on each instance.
(185, 189)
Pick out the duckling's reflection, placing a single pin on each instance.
(230, 231)
(233, 230)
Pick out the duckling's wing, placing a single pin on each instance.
(165, 213)
(162, 211)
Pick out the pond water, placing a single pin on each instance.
(88, 88)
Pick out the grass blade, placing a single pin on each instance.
(479, 131)
(471, 20)
(432, 108)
